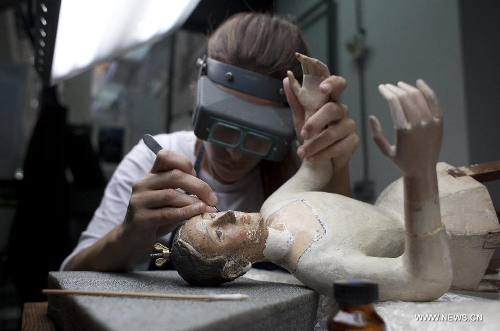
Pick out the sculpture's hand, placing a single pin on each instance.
(309, 94)
(418, 127)
(322, 123)
(156, 207)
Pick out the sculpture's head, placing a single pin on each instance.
(211, 249)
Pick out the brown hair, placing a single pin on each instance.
(265, 44)
(259, 42)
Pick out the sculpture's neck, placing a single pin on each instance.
(277, 245)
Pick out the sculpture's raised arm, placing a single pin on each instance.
(311, 176)
(418, 134)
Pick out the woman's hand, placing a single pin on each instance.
(324, 128)
(157, 205)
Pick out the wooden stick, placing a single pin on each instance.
(149, 295)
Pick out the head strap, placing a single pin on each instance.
(242, 80)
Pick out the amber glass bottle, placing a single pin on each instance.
(355, 311)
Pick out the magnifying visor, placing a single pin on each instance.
(223, 118)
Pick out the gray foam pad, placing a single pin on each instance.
(270, 306)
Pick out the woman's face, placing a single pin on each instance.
(226, 164)
(224, 233)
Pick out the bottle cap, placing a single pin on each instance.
(355, 291)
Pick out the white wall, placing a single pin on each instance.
(407, 40)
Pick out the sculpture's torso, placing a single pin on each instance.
(301, 224)
(317, 225)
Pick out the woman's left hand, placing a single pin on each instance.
(329, 133)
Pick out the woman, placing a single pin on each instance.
(142, 205)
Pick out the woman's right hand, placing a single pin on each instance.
(157, 207)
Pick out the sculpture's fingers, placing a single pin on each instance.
(294, 84)
(303, 61)
(295, 106)
(431, 98)
(379, 138)
(321, 69)
(415, 102)
(312, 66)
(411, 113)
(397, 113)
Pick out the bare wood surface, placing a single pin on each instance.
(488, 285)
(493, 267)
(492, 240)
(482, 172)
(35, 317)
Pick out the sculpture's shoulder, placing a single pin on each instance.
(318, 200)
(340, 214)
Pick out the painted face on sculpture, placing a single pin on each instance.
(225, 233)
(211, 249)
